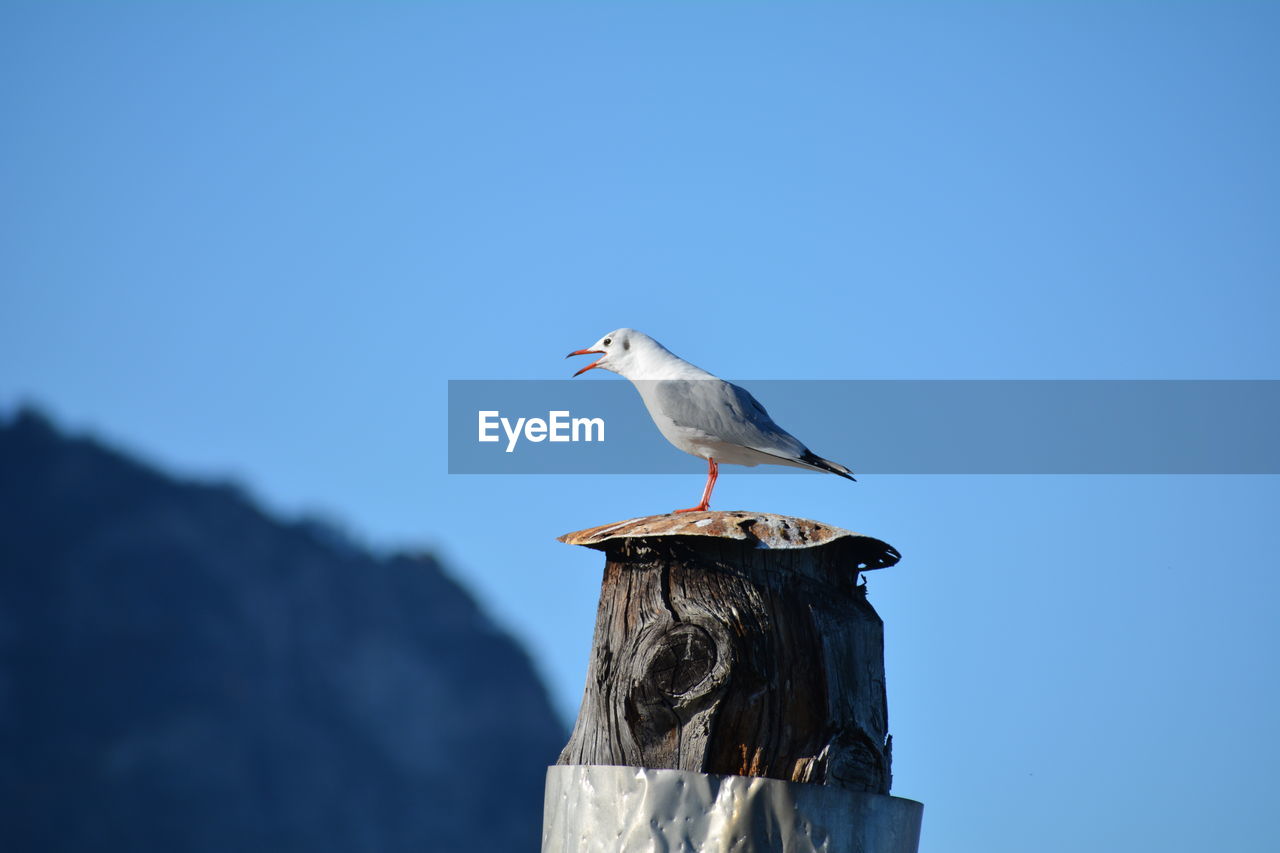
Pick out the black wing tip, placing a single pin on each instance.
(811, 458)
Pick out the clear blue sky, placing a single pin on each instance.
(255, 240)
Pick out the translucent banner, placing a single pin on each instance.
(886, 426)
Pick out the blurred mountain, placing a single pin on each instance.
(181, 672)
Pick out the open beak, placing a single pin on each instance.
(595, 363)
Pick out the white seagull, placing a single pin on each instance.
(700, 413)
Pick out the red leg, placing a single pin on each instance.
(713, 471)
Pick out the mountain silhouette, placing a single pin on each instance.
(179, 671)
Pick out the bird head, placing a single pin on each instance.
(618, 351)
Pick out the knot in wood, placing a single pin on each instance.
(682, 660)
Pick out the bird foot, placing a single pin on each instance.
(698, 508)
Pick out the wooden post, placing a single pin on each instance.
(736, 643)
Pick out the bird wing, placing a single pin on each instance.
(721, 411)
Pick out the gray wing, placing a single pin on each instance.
(723, 411)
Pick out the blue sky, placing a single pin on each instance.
(255, 240)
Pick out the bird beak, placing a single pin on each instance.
(595, 363)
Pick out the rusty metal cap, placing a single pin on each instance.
(762, 529)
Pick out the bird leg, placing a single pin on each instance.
(713, 470)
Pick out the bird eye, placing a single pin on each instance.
(607, 341)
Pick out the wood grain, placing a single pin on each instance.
(715, 656)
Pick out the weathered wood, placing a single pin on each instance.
(736, 643)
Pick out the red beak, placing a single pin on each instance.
(595, 363)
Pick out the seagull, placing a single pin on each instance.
(699, 413)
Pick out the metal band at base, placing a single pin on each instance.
(599, 809)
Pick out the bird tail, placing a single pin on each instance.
(812, 459)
